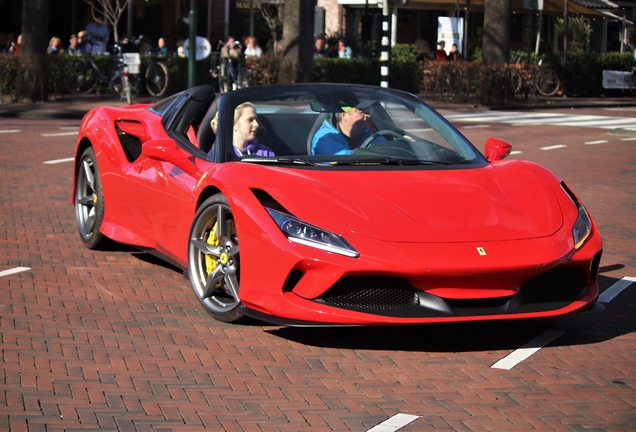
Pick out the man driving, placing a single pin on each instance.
(350, 130)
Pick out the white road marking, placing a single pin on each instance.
(553, 147)
(13, 271)
(516, 152)
(396, 422)
(517, 356)
(59, 134)
(475, 127)
(69, 127)
(628, 139)
(596, 142)
(553, 119)
(607, 295)
(57, 161)
(10, 131)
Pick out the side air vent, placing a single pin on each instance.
(130, 144)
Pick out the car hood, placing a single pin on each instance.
(498, 202)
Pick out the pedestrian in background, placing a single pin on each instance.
(97, 35)
(454, 54)
(440, 54)
(319, 48)
(343, 50)
(55, 46)
(252, 49)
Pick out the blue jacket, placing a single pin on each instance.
(328, 140)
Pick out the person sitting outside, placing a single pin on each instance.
(162, 49)
(454, 53)
(244, 132)
(231, 48)
(319, 48)
(81, 42)
(343, 50)
(252, 49)
(349, 132)
(55, 46)
(440, 54)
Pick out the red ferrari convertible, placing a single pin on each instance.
(329, 204)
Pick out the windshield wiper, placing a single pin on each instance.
(401, 162)
(289, 160)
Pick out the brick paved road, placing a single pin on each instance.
(115, 340)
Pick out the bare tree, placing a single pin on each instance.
(273, 14)
(112, 11)
(297, 62)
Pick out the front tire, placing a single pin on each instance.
(213, 260)
(89, 201)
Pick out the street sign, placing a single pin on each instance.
(202, 49)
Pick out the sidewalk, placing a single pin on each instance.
(75, 106)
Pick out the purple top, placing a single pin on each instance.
(254, 148)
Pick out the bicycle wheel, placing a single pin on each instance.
(243, 78)
(225, 82)
(548, 82)
(157, 79)
(117, 85)
(81, 78)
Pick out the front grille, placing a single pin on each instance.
(370, 293)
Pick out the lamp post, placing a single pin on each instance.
(384, 56)
(192, 43)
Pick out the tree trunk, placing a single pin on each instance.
(32, 82)
(496, 43)
(297, 62)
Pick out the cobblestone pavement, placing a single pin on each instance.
(115, 340)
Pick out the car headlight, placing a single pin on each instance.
(582, 228)
(300, 232)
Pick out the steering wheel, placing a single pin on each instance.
(383, 132)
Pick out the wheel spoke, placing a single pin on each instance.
(89, 174)
(86, 201)
(231, 282)
(213, 280)
(205, 248)
(221, 226)
(90, 223)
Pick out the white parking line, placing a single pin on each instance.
(396, 422)
(517, 356)
(57, 161)
(13, 271)
(596, 142)
(607, 295)
(59, 134)
(553, 147)
(628, 139)
(10, 131)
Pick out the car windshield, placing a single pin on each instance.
(335, 125)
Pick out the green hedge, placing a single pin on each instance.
(464, 81)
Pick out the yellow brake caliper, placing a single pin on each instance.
(210, 261)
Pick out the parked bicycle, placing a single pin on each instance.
(83, 77)
(233, 72)
(545, 80)
(156, 77)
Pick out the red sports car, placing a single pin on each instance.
(329, 204)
